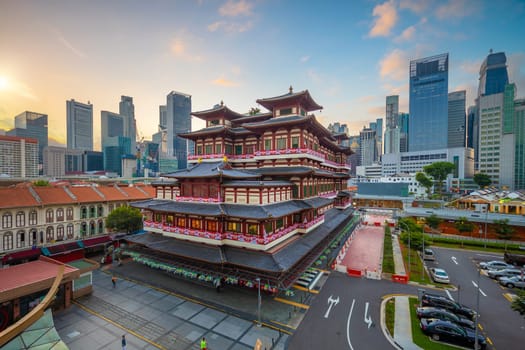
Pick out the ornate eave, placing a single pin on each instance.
(212, 170)
(221, 111)
(302, 98)
(277, 122)
(252, 118)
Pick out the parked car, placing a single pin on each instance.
(442, 314)
(497, 274)
(451, 333)
(445, 303)
(514, 259)
(514, 281)
(494, 265)
(428, 254)
(439, 275)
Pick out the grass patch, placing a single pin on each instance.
(388, 254)
(390, 315)
(418, 337)
(494, 247)
(417, 270)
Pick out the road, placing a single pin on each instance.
(336, 318)
(504, 327)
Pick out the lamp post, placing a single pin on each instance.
(258, 302)
(486, 219)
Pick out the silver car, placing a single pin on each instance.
(514, 281)
(439, 275)
(494, 265)
(497, 274)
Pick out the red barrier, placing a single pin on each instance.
(400, 278)
(353, 273)
(377, 224)
(333, 265)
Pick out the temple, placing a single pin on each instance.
(263, 196)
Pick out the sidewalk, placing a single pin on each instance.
(403, 325)
(399, 265)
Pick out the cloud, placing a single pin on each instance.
(304, 59)
(224, 82)
(394, 65)
(416, 6)
(236, 8)
(386, 14)
(230, 27)
(470, 67)
(366, 99)
(70, 46)
(406, 35)
(180, 50)
(457, 9)
(377, 111)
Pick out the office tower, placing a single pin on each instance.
(32, 125)
(55, 161)
(493, 75)
(163, 117)
(392, 130)
(378, 127)
(18, 156)
(519, 159)
(178, 120)
(428, 103)
(79, 125)
(127, 111)
(115, 144)
(368, 146)
(93, 161)
(457, 119)
(471, 130)
(74, 161)
(404, 127)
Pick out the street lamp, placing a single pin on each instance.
(258, 302)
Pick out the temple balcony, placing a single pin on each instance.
(217, 157)
(331, 194)
(231, 238)
(198, 199)
(290, 153)
(336, 165)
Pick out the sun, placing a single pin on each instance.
(4, 83)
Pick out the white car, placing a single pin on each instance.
(497, 274)
(439, 275)
(494, 265)
(514, 281)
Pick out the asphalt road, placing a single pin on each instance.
(342, 325)
(504, 327)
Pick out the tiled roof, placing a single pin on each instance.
(18, 197)
(215, 169)
(112, 194)
(86, 194)
(53, 195)
(279, 120)
(240, 183)
(284, 170)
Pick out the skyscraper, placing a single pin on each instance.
(115, 144)
(472, 123)
(178, 120)
(457, 119)
(428, 103)
(368, 146)
(493, 75)
(519, 160)
(33, 125)
(18, 156)
(392, 130)
(79, 125)
(127, 111)
(403, 125)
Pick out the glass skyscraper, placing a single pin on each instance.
(428, 103)
(457, 118)
(178, 120)
(79, 125)
(493, 75)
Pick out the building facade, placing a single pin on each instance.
(79, 125)
(392, 130)
(115, 143)
(18, 156)
(368, 146)
(457, 119)
(127, 111)
(428, 103)
(178, 120)
(55, 161)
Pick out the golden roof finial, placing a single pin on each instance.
(291, 89)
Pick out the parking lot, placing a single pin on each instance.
(503, 327)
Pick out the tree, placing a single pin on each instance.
(41, 183)
(125, 219)
(416, 239)
(254, 111)
(433, 221)
(504, 230)
(463, 225)
(518, 304)
(424, 181)
(439, 172)
(482, 180)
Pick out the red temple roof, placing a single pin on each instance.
(220, 111)
(301, 98)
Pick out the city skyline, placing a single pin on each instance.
(350, 56)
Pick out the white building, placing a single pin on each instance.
(79, 125)
(18, 156)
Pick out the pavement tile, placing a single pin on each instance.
(190, 332)
(266, 335)
(186, 310)
(208, 318)
(130, 306)
(148, 313)
(167, 303)
(232, 327)
(168, 321)
(239, 346)
(217, 341)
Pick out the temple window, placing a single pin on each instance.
(208, 149)
(181, 222)
(303, 112)
(268, 227)
(228, 149)
(218, 149)
(279, 223)
(196, 224)
(281, 143)
(233, 226)
(169, 219)
(158, 217)
(267, 144)
(285, 111)
(199, 150)
(253, 229)
(249, 149)
(295, 142)
(211, 226)
(238, 149)
(215, 122)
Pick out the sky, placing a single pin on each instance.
(349, 55)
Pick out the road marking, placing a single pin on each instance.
(367, 318)
(480, 326)
(348, 325)
(454, 260)
(475, 285)
(332, 302)
(508, 296)
(449, 295)
(489, 341)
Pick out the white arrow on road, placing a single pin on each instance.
(331, 302)
(454, 260)
(348, 325)
(475, 285)
(368, 319)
